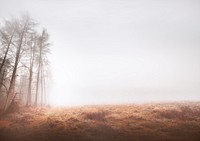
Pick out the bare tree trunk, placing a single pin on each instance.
(30, 75)
(6, 53)
(41, 90)
(1, 81)
(11, 82)
(38, 76)
(4, 59)
(37, 85)
(28, 101)
(42, 86)
(15, 69)
(42, 44)
(45, 99)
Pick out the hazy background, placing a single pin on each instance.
(108, 51)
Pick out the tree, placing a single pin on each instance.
(23, 58)
(23, 27)
(31, 61)
(43, 45)
(9, 30)
(7, 33)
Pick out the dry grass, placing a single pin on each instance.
(148, 122)
(98, 115)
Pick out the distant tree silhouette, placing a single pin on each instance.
(23, 54)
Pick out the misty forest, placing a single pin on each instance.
(24, 64)
(99, 71)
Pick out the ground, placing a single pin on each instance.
(134, 122)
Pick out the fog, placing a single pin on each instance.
(119, 51)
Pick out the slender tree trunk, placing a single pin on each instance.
(41, 90)
(4, 59)
(45, 100)
(6, 53)
(42, 40)
(11, 87)
(38, 76)
(1, 81)
(41, 83)
(28, 102)
(37, 85)
(14, 70)
(29, 97)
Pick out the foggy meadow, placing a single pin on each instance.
(99, 70)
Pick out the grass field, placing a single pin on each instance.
(136, 122)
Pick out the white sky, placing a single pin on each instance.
(116, 51)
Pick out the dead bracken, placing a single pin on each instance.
(168, 121)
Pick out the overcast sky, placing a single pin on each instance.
(119, 50)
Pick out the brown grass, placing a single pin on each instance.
(98, 115)
(148, 122)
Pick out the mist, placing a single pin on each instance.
(119, 51)
(99, 70)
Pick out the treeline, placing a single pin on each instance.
(24, 64)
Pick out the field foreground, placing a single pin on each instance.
(138, 122)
